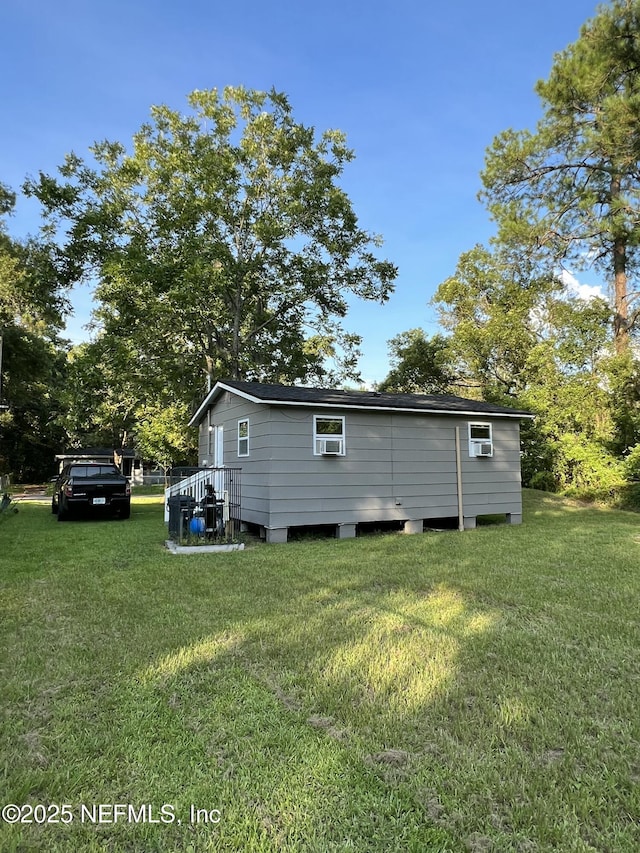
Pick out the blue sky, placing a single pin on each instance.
(419, 88)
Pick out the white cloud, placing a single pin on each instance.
(582, 291)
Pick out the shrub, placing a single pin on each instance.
(628, 497)
(586, 465)
(544, 481)
(631, 464)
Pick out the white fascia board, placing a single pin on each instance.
(211, 396)
(306, 404)
(240, 393)
(204, 405)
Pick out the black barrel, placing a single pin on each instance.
(181, 509)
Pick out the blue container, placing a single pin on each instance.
(196, 526)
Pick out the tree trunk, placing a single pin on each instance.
(210, 370)
(620, 301)
(236, 340)
(620, 296)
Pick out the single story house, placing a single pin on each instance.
(313, 456)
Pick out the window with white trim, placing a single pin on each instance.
(243, 437)
(480, 440)
(328, 435)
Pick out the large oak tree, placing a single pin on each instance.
(222, 243)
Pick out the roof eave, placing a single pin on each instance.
(215, 392)
(268, 401)
(412, 409)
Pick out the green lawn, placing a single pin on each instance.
(476, 691)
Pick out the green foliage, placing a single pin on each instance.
(419, 365)
(489, 306)
(544, 481)
(622, 378)
(571, 190)
(32, 306)
(162, 434)
(626, 497)
(569, 193)
(520, 337)
(631, 464)
(220, 240)
(566, 194)
(33, 369)
(584, 464)
(110, 399)
(99, 400)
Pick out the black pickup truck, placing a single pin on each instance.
(91, 486)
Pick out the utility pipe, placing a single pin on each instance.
(459, 481)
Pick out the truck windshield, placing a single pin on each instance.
(96, 471)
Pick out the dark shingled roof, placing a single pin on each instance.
(296, 395)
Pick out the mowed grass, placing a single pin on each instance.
(447, 691)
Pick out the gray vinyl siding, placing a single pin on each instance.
(255, 467)
(397, 466)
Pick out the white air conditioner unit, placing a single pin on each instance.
(329, 446)
(482, 448)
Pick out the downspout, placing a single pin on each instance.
(459, 481)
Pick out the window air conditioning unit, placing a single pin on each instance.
(330, 446)
(482, 448)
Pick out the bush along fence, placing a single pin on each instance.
(202, 506)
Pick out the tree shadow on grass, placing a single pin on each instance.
(378, 698)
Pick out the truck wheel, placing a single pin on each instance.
(63, 514)
(54, 506)
(125, 512)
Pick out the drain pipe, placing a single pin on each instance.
(459, 481)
